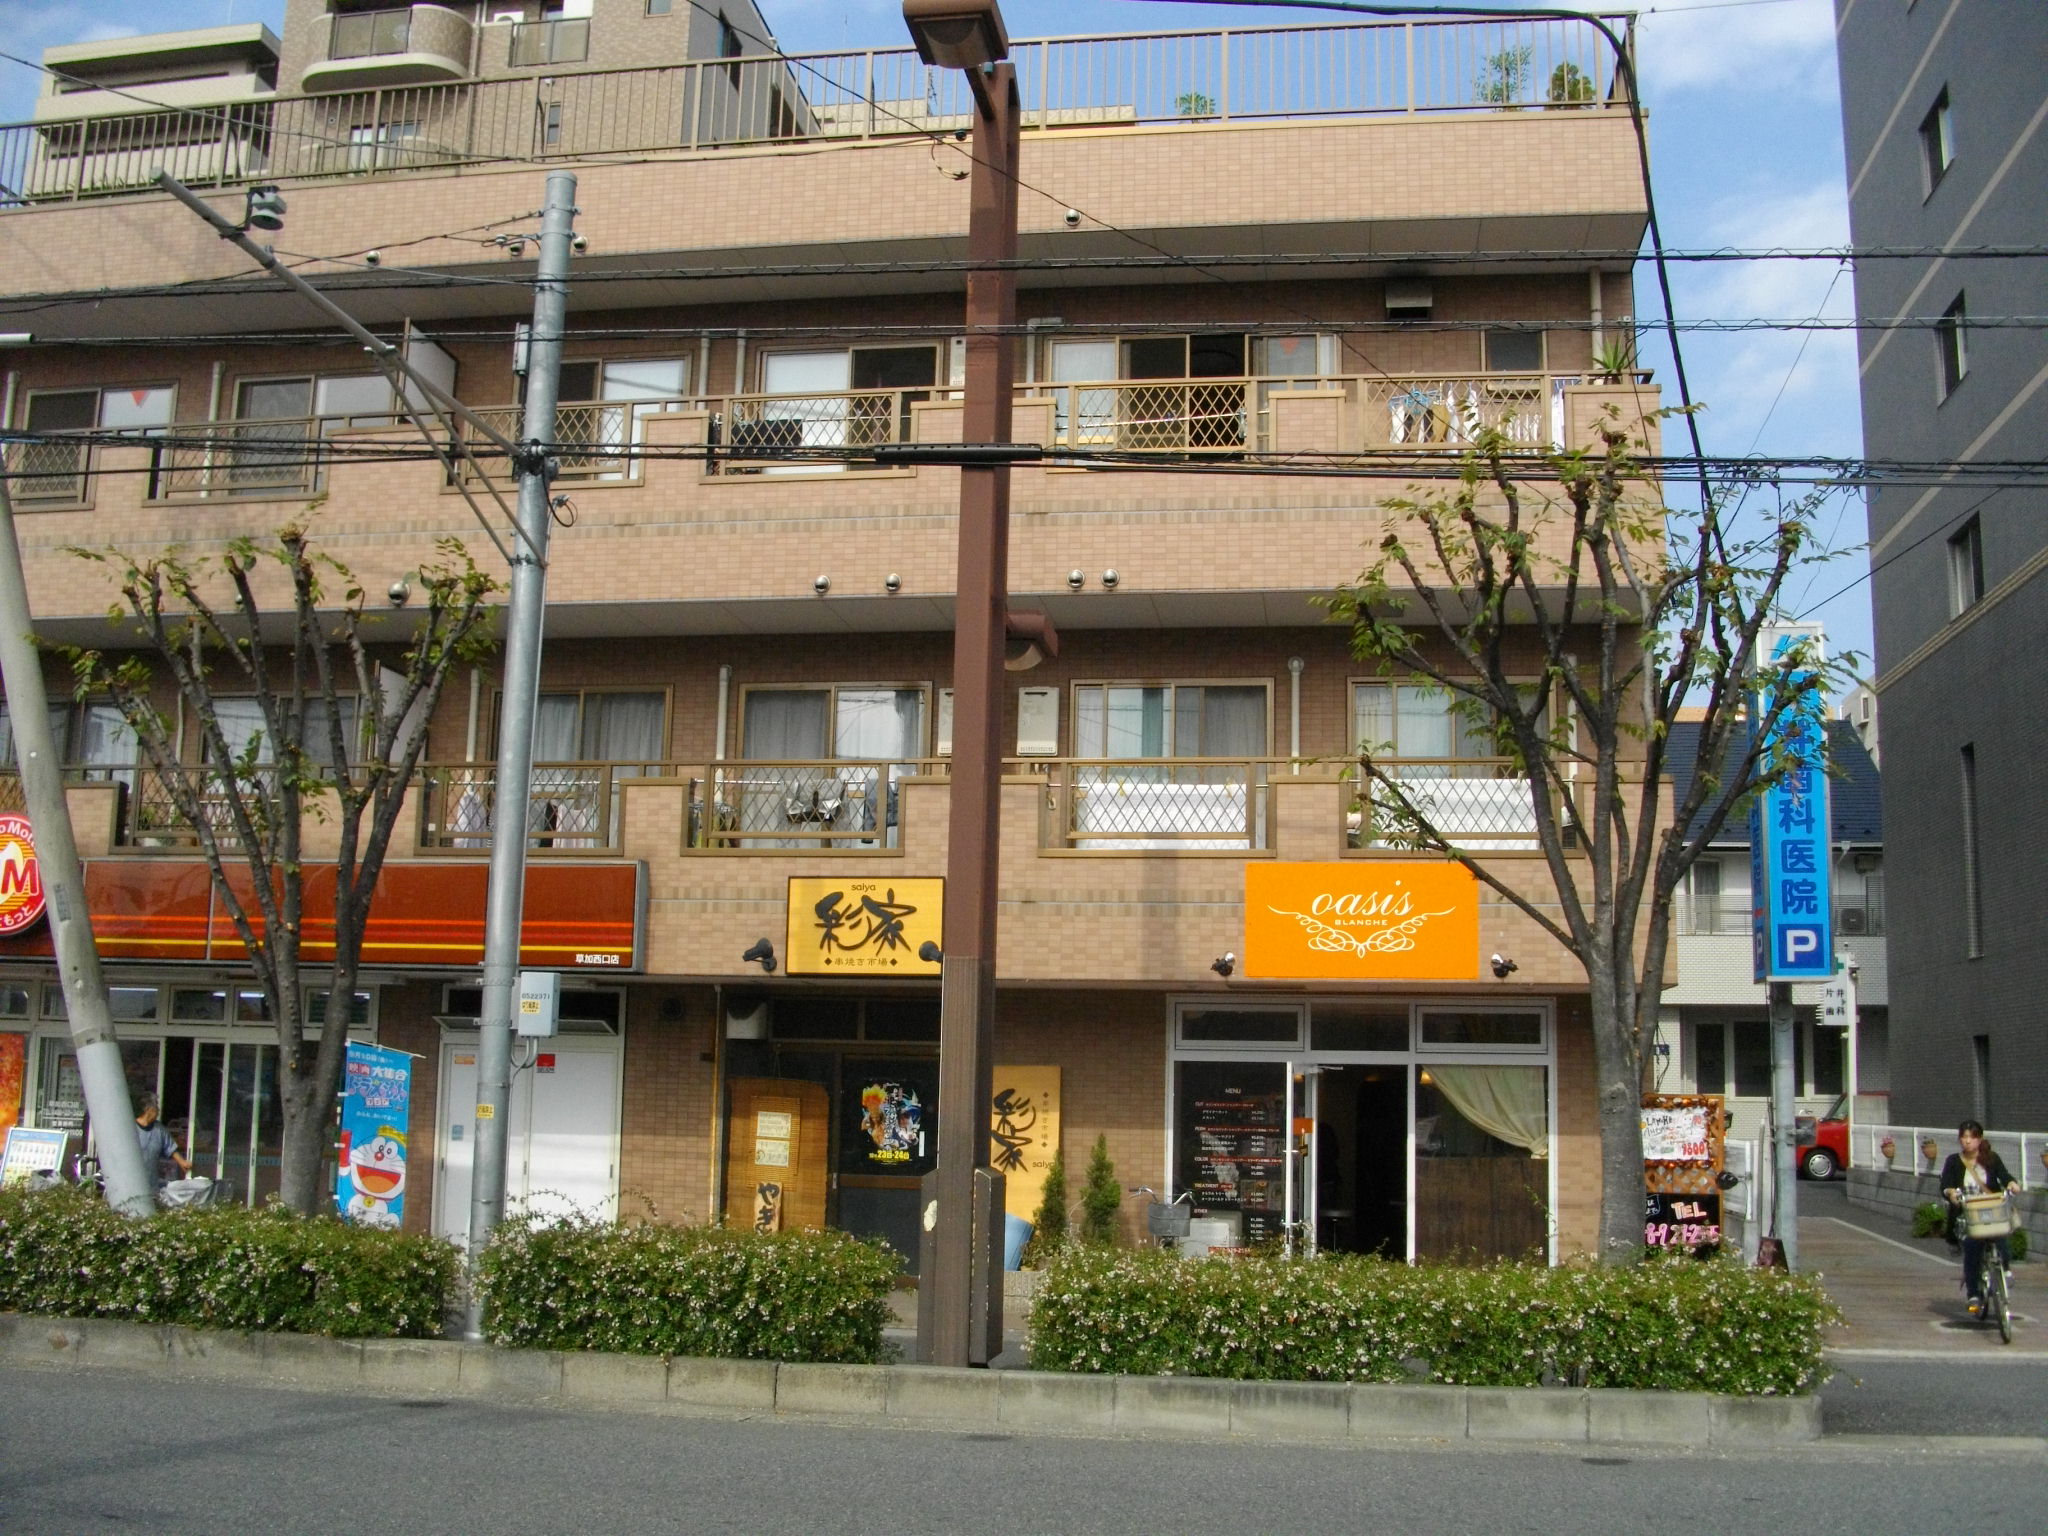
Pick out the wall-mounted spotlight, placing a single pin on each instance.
(372, 258)
(1076, 580)
(761, 953)
(822, 585)
(892, 583)
(400, 591)
(930, 953)
(1223, 965)
(1503, 968)
(1110, 579)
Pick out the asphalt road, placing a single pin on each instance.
(115, 1452)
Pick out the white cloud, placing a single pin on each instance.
(1783, 45)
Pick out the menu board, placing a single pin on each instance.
(1235, 1157)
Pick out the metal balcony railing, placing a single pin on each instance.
(570, 808)
(1217, 75)
(1700, 914)
(55, 472)
(1480, 804)
(1178, 805)
(800, 805)
(151, 815)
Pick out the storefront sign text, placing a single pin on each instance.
(21, 875)
(840, 927)
(375, 1111)
(1361, 921)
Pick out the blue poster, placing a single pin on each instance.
(376, 1097)
(1790, 889)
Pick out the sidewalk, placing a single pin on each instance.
(1902, 1295)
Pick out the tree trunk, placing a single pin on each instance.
(1618, 1068)
(302, 1185)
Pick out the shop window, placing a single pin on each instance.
(1482, 1140)
(1240, 1026)
(127, 1005)
(584, 1010)
(1492, 1030)
(15, 998)
(1350, 1027)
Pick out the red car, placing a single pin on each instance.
(1824, 1143)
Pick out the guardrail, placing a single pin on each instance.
(152, 815)
(1177, 805)
(2025, 1153)
(1479, 803)
(570, 808)
(1208, 76)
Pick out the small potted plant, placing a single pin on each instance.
(1890, 1148)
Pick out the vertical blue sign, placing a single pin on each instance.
(376, 1100)
(1792, 925)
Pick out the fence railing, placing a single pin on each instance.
(570, 807)
(1218, 75)
(2024, 1153)
(1479, 803)
(800, 805)
(153, 815)
(1179, 805)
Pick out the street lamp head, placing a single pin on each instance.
(957, 34)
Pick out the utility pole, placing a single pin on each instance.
(1784, 1122)
(78, 959)
(525, 610)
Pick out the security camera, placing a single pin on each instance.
(372, 258)
(1110, 579)
(578, 244)
(400, 590)
(822, 585)
(1073, 218)
(892, 582)
(1503, 968)
(1077, 579)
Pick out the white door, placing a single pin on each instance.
(562, 1133)
(822, 418)
(1083, 416)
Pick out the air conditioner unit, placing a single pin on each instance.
(1853, 921)
(1409, 298)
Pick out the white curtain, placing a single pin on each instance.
(784, 725)
(1508, 1102)
(623, 727)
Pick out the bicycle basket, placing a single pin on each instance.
(1163, 1220)
(1987, 1216)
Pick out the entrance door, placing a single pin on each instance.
(562, 1133)
(1359, 1176)
(777, 1148)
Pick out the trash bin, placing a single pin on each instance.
(1016, 1233)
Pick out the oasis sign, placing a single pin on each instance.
(21, 876)
(1361, 921)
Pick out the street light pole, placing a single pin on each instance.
(961, 1277)
(504, 901)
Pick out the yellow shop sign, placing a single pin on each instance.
(1361, 921)
(840, 927)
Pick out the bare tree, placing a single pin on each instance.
(338, 727)
(1569, 621)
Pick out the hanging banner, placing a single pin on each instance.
(1792, 906)
(1024, 1134)
(376, 1102)
(13, 1075)
(1362, 920)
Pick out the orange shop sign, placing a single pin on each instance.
(21, 875)
(1361, 921)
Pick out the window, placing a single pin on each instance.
(1243, 1026)
(1973, 896)
(94, 737)
(730, 47)
(1980, 1061)
(1937, 145)
(1125, 720)
(659, 7)
(562, 37)
(844, 397)
(1951, 350)
(1514, 351)
(1965, 568)
(550, 124)
(1357, 1027)
(1519, 1029)
(600, 727)
(1413, 720)
(832, 758)
(1752, 1058)
(375, 146)
(1705, 878)
(365, 34)
(56, 471)
(242, 725)
(1710, 1058)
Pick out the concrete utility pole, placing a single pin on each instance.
(78, 959)
(1785, 1122)
(525, 611)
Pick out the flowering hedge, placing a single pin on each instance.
(657, 1290)
(1708, 1327)
(65, 1253)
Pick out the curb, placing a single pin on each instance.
(922, 1395)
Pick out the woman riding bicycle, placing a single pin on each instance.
(1976, 1170)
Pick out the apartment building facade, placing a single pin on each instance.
(1320, 242)
(1942, 107)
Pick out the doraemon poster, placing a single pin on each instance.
(375, 1108)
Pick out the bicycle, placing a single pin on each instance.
(1988, 1219)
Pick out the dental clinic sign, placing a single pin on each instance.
(1792, 906)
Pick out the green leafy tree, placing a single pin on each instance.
(1049, 1225)
(339, 726)
(1505, 78)
(1195, 104)
(1569, 84)
(1570, 615)
(1102, 1198)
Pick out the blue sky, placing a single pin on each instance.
(1746, 151)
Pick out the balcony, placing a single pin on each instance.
(1482, 805)
(399, 46)
(1392, 69)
